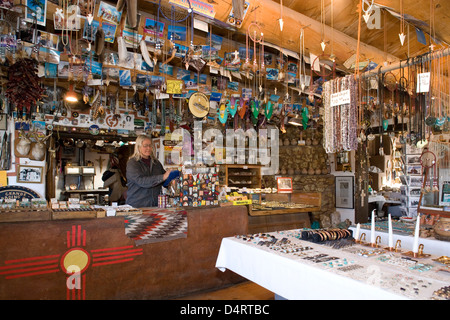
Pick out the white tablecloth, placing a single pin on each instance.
(294, 278)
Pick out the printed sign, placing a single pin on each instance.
(340, 98)
(423, 82)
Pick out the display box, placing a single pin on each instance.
(72, 170)
(88, 170)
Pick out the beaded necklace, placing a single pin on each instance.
(340, 129)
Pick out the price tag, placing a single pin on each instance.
(423, 82)
(340, 98)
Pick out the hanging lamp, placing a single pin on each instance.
(71, 96)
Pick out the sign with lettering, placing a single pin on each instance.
(340, 98)
(423, 82)
(17, 192)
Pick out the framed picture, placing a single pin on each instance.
(29, 174)
(344, 192)
(284, 184)
(413, 159)
(414, 169)
(36, 10)
(415, 181)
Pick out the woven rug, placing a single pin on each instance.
(156, 225)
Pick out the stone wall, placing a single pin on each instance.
(307, 165)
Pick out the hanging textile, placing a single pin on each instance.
(340, 115)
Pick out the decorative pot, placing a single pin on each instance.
(442, 227)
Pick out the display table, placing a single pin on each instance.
(293, 276)
(35, 257)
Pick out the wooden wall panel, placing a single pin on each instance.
(162, 270)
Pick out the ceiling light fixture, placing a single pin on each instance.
(296, 121)
(71, 96)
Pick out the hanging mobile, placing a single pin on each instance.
(428, 161)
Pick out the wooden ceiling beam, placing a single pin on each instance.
(268, 14)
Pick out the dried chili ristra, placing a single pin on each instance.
(23, 88)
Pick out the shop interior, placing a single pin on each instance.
(326, 121)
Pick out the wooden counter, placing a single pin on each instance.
(152, 271)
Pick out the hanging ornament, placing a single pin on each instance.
(254, 107)
(246, 66)
(232, 106)
(268, 110)
(322, 25)
(281, 16)
(302, 66)
(367, 11)
(402, 35)
(428, 161)
(255, 34)
(223, 113)
(243, 109)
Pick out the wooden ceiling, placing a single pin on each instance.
(339, 29)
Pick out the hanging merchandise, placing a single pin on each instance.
(153, 115)
(254, 106)
(255, 34)
(390, 83)
(23, 88)
(282, 119)
(232, 106)
(305, 117)
(428, 163)
(301, 64)
(223, 113)
(5, 152)
(243, 108)
(268, 110)
(163, 118)
(340, 114)
(402, 35)
(199, 104)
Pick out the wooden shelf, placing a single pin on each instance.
(239, 175)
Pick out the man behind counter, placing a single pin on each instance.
(145, 175)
